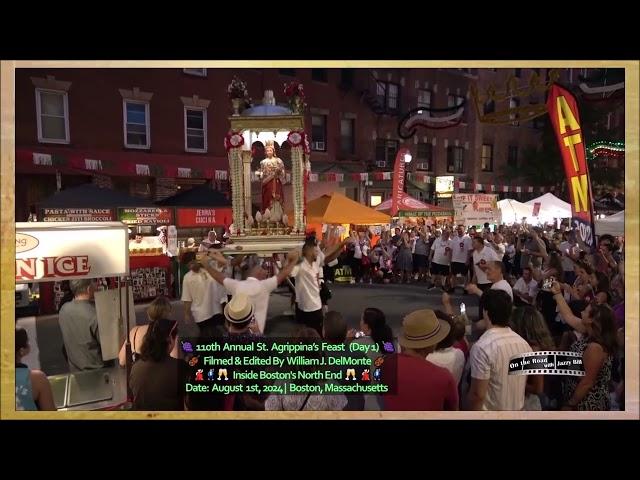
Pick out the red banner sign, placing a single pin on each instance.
(204, 217)
(565, 118)
(77, 215)
(397, 189)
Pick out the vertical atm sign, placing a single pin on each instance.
(565, 119)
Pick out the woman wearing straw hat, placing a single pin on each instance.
(415, 383)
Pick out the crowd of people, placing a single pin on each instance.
(537, 290)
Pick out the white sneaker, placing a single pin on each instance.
(287, 313)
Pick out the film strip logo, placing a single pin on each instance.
(547, 363)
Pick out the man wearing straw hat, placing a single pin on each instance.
(415, 383)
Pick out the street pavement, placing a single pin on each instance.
(350, 300)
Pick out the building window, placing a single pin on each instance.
(489, 107)
(486, 158)
(136, 124)
(512, 158)
(517, 72)
(424, 157)
(52, 110)
(289, 72)
(386, 151)
(195, 129)
(393, 96)
(388, 95)
(198, 72)
(319, 74)
(424, 98)
(319, 133)
(346, 77)
(513, 104)
(347, 136)
(455, 160)
(455, 100)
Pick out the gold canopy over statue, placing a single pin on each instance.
(267, 231)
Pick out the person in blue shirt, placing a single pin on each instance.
(33, 391)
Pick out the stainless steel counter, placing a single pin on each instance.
(90, 390)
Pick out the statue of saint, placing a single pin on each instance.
(273, 175)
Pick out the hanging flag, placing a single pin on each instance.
(565, 118)
(339, 177)
(397, 190)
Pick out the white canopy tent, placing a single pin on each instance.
(512, 211)
(612, 225)
(550, 207)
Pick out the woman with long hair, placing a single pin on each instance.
(159, 308)
(597, 343)
(373, 329)
(155, 376)
(529, 323)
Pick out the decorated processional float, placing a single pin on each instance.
(265, 229)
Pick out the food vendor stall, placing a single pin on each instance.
(55, 251)
(199, 210)
(151, 273)
(85, 203)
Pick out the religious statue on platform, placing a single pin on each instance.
(273, 175)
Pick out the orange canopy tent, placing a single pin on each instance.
(336, 209)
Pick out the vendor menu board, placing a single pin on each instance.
(146, 216)
(77, 215)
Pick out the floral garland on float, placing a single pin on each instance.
(233, 143)
(299, 142)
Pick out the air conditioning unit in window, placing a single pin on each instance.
(381, 164)
(423, 166)
(317, 145)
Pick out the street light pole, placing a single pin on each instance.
(407, 161)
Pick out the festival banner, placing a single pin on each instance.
(475, 208)
(397, 190)
(203, 217)
(146, 216)
(565, 118)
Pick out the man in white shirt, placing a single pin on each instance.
(492, 388)
(308, 275)
(198, 294)
(256, 286)
(495, 274)
(481, 256)
(526, 288)
(441, 251)
(461, 253)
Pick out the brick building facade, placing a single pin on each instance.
(151, 131)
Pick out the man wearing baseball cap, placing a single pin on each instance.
(417, 384)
